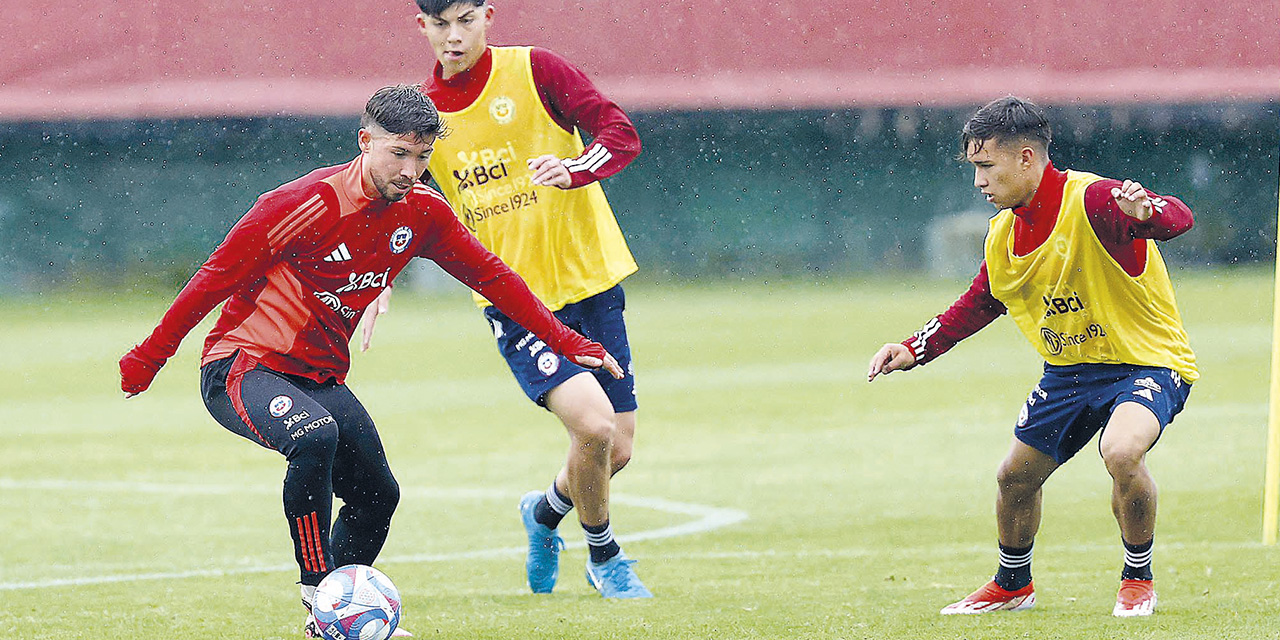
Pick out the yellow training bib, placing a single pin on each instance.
(566, 244)
(1076, 304)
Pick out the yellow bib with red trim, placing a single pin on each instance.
(1076, 304)
(566, 244)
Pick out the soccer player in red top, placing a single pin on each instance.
(295, 272)
(1072, 258)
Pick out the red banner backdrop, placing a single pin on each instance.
(140, 58)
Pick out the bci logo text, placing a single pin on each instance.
(296, 418)
(484, 166)
(359, 281)
(1056, 306)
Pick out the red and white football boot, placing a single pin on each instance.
(1136, 598)
(992, 597)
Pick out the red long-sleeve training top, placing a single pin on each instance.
(299, 268)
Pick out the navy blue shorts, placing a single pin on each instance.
(1072, 403)
(539, 370)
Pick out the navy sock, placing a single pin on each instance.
(1137, 561)
(552, 507)
(1014, 571)
(601, 543)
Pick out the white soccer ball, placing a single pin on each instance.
(356, 602)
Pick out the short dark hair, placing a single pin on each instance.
(1006, 118)
(401, 109)
(437, 7)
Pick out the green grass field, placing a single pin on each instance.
(781, 495)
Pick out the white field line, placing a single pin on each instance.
(706, 518)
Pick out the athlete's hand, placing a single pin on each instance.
(891, 357)
(595, 357)
(137, 370)
(376, 308)
(1133, 201)
(549, 171)
(607, 362)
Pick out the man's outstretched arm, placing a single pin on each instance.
(975, 309)
(242, 257)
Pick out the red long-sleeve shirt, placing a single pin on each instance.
(568, 96)
(299, 268)
(1123, 237)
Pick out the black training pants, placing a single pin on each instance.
(332, 447)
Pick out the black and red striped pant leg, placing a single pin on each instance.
(281, 413)
(308, 501)
(310, 545)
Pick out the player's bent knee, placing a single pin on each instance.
(1010, 475)
(386, 500)
(1015, 481)
(1124, 455)
(373, 505)
(388, 496)
(595, 429)
(1124, 458)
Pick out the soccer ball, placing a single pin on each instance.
(356, 602)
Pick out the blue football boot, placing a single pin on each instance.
(614, 578)
(543, 562)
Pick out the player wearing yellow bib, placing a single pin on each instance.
(518, 176)
(1072, 258)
